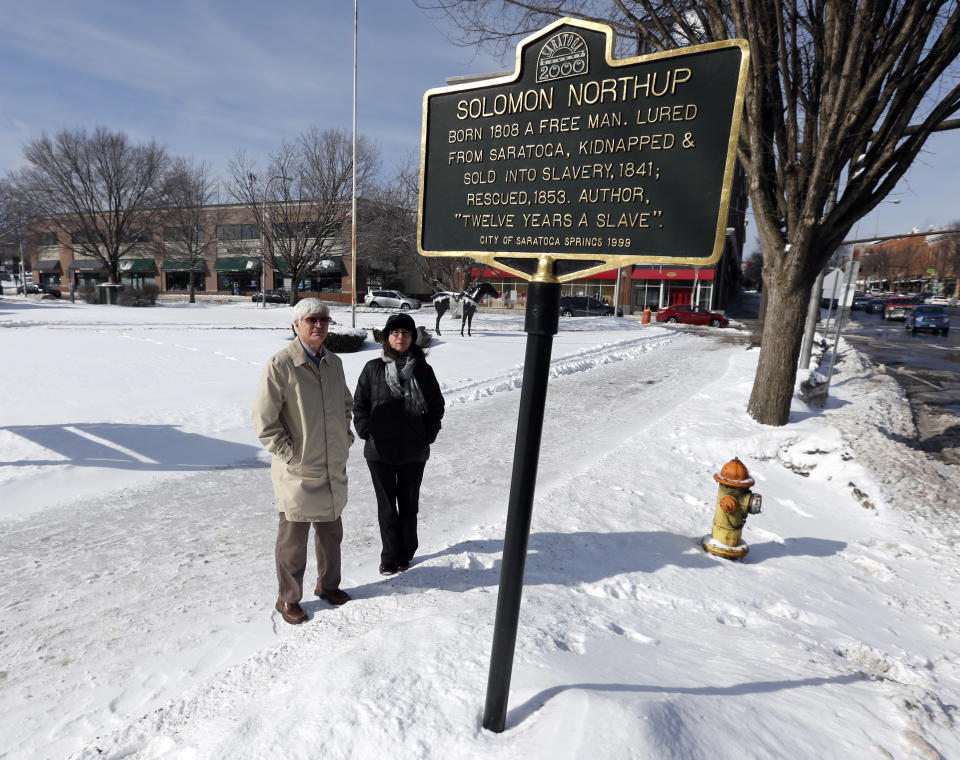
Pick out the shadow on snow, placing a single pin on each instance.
(158, 448)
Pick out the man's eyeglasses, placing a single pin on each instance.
(400, 331)
(317, 320)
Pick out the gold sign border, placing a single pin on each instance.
(610, 260)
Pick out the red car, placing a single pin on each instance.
(691, 315)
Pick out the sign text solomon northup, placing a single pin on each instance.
(583, 155)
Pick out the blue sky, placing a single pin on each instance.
(208, 77)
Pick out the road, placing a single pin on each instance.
(927, 367)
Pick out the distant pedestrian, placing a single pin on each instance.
(397, 409)
(302, 416)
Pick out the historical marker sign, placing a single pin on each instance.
(577, 155)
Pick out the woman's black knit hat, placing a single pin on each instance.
(400, 322)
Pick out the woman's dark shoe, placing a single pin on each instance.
(403, 566)
(388, 568)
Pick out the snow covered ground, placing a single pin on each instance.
(137, 544)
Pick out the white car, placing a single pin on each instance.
(390, 299)
(937, 301)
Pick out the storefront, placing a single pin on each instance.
(137, 273)
(48, 272)
(239, 275)
(513, 290)
(658, 287)
(326, 278)
(87, 272)
(178, 272)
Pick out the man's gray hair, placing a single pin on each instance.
(309, 306)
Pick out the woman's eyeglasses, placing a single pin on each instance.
(317, 320)
(400, 332)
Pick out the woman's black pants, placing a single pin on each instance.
(398, 499)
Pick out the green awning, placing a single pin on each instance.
(137, 266)
(183, 265)
(47, 266)
(236, 264)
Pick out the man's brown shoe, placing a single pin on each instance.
(335, 596)
(291, 612)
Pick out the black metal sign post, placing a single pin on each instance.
(540, 324)
(575, 164)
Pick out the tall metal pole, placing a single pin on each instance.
(23, 269)
(353, 209)
(813, 307)
(541, 323)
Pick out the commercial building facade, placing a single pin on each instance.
(233, 261)
(912, 264)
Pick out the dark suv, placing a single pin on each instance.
(584, 306)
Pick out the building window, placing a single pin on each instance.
(138, 281)
(182, 235)
(47, 238)
(237, 232)
(318, 282)
(84, 237)
(238, 282)
(181, 281)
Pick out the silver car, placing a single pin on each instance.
(390, 299)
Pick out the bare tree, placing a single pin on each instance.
(301, 200)
(100, 190)
(193, 210)
(14, 223)
(832, 88)
(390, 235)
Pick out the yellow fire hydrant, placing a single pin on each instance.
(734, 502)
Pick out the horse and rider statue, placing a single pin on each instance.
(466, 300)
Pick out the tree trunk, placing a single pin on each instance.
(193, 289)
(776, 368)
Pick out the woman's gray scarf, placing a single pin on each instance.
(403, 384)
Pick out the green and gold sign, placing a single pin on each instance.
(593, 161)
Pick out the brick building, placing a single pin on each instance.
(233, 262)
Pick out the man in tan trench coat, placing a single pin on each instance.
(302, 414)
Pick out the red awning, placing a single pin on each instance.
(671, 273)
(488, 272)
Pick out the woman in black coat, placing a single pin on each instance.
(397, 409)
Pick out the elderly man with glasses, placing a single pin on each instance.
(302, 414)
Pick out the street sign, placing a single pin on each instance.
(593, 161)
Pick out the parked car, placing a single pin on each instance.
(859, 303)
(875, 305)
(390, 299)
(932, 318)
(937, 301)
(273, 296)
(896, 307)
(35, 289)
(584, 306)
(691, 315)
